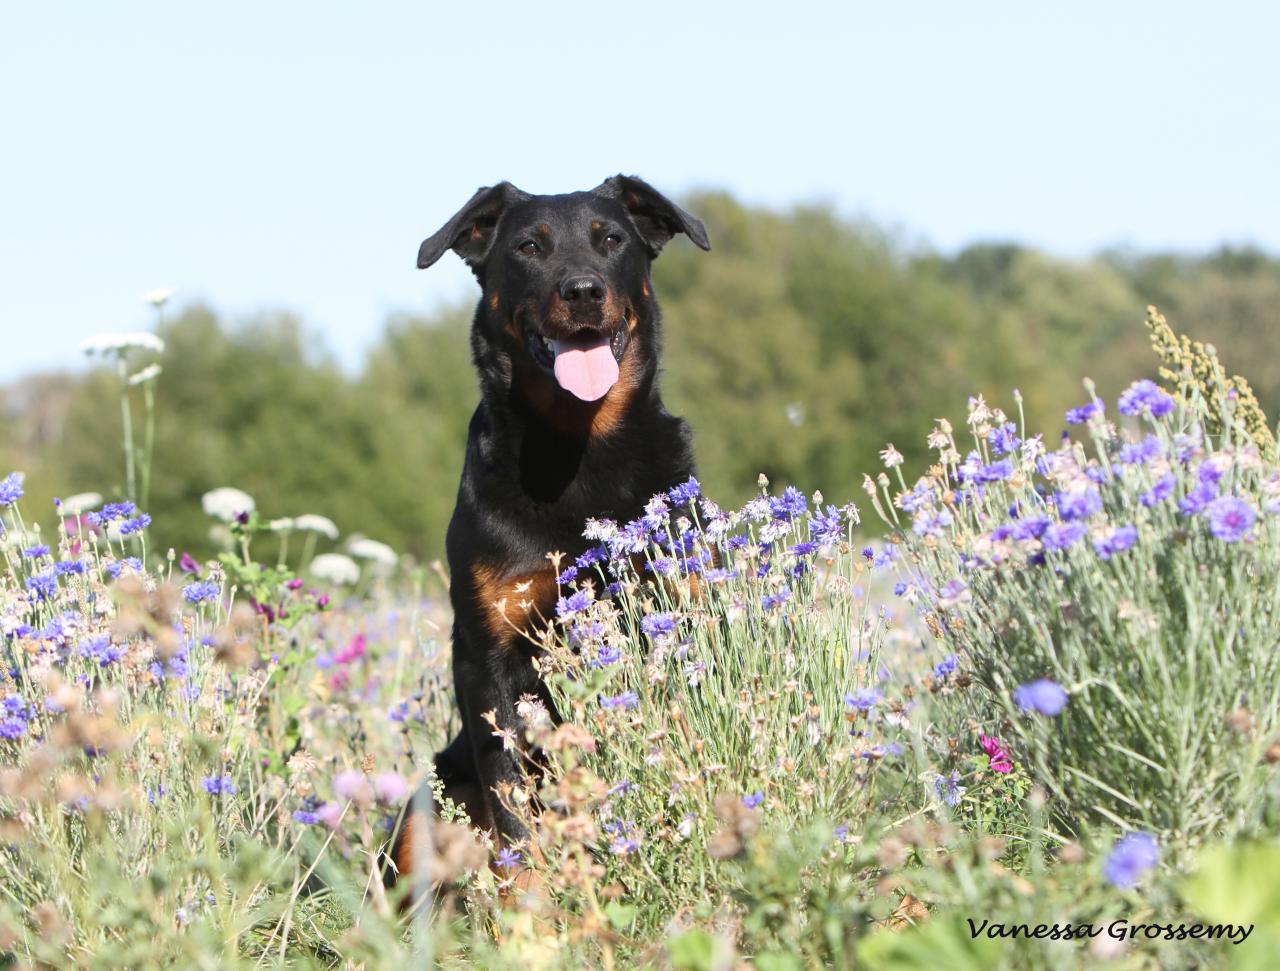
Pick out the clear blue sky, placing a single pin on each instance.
(293, 155)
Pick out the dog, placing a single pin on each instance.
(567, 340)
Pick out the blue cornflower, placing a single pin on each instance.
(115, 567)
(1198, 499)
(399, 713)
(1230, 519)
(805, 549)
(306, 817)
(1130, 858)
(658, 625)
(687, 491)
(131, 526)
(45, 585)
(826, 527)
(789, 505)
(590, 558)
(771, 600)
(1116, 541)
(620, 788)
(10, 488)
(579, 600)
(1061, 535)
(1145, 396)
(1140, 453)
(66, 567)
(1004, 439)
(656, 513)
(200, 591)
(736, 542)
(753, 800)
(864, 699)
(899, 589)
(1044, 697)
(1079, 503)
(35, 552)
(1078, 416)
(1209, 472)
(568, 576)
(946, 667)
(886, 557)
(102, 650)
(948, 789)
(995, 472)
(508, 858)
(219, 785)
(606, 655)
(627, 700)
(1159, 492)
(661, 566)
(13, 728)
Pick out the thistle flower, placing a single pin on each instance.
(1043, 697)
(227, 503)
(1130, 858)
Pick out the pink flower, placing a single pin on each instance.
(330, 813)
(390, 787)
(354, 650)
(996, 754)
(353, 785)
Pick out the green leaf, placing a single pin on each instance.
(939, 943)
(1238, 884)
(777, 961)
(620, 915)
(696, 950)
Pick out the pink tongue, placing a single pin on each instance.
(587, 371)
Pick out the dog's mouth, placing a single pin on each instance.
(585, 363)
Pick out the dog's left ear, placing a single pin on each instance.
(470, 231)
(656, 216)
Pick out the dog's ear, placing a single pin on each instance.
(470, 231)
(656, 216)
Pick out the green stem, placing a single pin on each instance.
(126, 418)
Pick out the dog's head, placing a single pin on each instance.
(567, 312)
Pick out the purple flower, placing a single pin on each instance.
(44, 585)
(131, 526)
(946, 667)
(1159, 492)
(995, 472)
(606, 655)
(10, 488)
(219, 785)
(1145, 396)
(687, 491)
(1078, 416)
(508, 858)
(1079, 503)
(201, 591)
(626, 701)
(1044, 697)
(1004, 438)
(34, 552)
(189, 564)
(753, 800)
(948, 789)
(1116, 541)
(789, 505)
(1130, 858)
(771, 600)
(568, 576)
(66, 567)
(864, 699)
(1198, 499)
(116, 567)
(658, 625)
(572, 604)
(306, 817)
(1061, 535)
(1140, 453)
(1230, 519)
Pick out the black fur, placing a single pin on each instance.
(540, 461)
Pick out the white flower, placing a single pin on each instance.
(371, 549)
(891, 457)
(120, 342)
(285, 525)
(600, 529)
(80, 502)
(158, 298)
(335, 568)
(146, 374)
(312, 523)
(226, 503)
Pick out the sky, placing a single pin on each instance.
(292, 156)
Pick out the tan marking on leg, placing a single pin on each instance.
(513, 604)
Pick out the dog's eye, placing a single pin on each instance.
(612, 241)
(528, 248)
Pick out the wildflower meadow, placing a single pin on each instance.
(1015, 708)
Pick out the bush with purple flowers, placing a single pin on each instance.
(1119, 604)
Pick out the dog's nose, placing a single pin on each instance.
(584, 289)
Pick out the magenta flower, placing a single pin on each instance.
(997, 757)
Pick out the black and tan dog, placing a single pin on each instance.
(566, 339)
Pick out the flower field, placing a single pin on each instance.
(1020, 711)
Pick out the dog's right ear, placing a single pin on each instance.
(470, 231)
